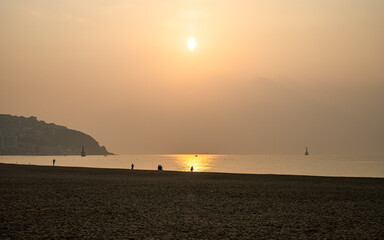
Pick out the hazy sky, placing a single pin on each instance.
(265, 77)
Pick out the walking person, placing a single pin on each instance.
(53, 162)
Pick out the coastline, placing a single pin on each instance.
(186, 172)
(16, 154)
(73, 202)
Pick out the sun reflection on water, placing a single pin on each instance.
(200, 163)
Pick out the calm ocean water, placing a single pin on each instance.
(317, 165)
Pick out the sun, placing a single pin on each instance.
(191, 44)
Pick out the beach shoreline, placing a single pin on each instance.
(195, 172)
(70, 202)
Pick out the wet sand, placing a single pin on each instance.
(61, 202)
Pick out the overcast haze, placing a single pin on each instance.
(265, 76)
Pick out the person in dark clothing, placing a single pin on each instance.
(160, 168)
(132, 166)
(53, 162)
(192, 169)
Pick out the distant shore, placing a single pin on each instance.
(56, 154)
(69, 202)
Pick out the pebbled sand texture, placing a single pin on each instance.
(61, 202)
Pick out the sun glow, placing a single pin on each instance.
(191, 44)
(200, 163)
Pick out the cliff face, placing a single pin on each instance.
(29, 136)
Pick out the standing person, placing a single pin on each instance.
(132, 166)
(53, 162)
(192, 169)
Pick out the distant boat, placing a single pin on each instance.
(306, 151)
(83, 152)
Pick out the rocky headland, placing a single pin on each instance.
(30, 136)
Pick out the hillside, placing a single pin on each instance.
(29, 136)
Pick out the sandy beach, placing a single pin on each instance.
(62, 202)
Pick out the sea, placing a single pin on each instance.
(314, 165)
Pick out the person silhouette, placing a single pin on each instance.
(53, 162)
(132, 166)
(192, 169)
(160, 168)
